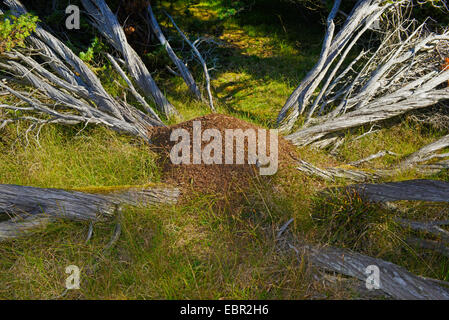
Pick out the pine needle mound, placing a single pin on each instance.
(214, 178)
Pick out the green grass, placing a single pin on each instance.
(72, 157)
(209, 246)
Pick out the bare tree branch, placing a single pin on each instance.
(200, 58)
(107, 24)
(183, 70)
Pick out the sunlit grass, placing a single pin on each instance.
(70, 158)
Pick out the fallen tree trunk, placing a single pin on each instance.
(392, 106)
(412, 190)
(30, 206)
(394, 280)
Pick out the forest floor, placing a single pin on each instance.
(213, 245)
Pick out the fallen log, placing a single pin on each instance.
(31, 207)
(427, 152)
(200, 59)
(393, 279)
(413, 190)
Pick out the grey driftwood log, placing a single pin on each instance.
(30, 207)
(394, 280)
(413, 190)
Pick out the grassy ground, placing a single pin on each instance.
(197, 249)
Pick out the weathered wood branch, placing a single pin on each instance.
(68, 91)
(56, 51)
(413, 190)
(33, 206)
(429, 244)
(432, 227)
(359, 175)
(104, 20)
(393, 105)
(200, 59)
(183, 70)
(20, 226)
(332, 174)
(394, 280)
(403, 74)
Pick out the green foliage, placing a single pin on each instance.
(230, 8)
(14, 30)
(96, 47)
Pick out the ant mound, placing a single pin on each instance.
(211, 172)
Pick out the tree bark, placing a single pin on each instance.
(30, 207)
(412, 190)
(394, 280)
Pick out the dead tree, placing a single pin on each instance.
(65, 89)
(200, 58)
(401, 75)
(104, 20)
(183, 70)
(30, 207)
